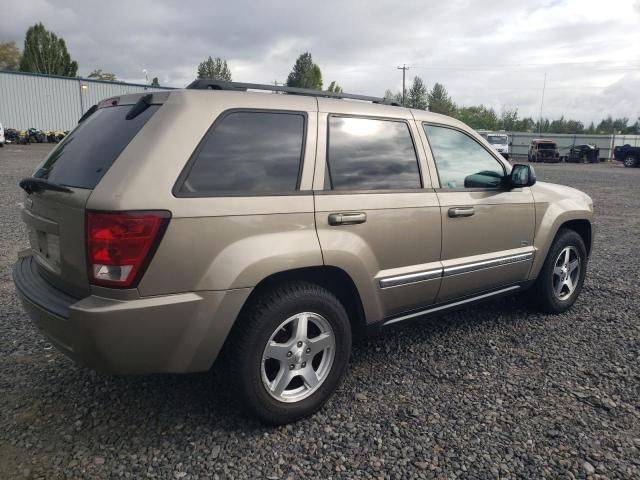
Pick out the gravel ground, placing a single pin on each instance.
(493, 392)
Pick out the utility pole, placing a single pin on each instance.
(544, 86)
(404, 69)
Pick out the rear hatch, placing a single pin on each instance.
(54, 207)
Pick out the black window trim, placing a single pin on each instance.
(462, 189)
(330, 190)
(184, 174)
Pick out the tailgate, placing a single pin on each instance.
(56, 219)
(55, 225)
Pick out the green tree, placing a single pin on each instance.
(605, 126)
(100, 75)
(334, 87)
(417, 97)
(508, 119)
(440, 101)
(214, 69)
(305, 73)
(45, 53)
(526, 124)
(396, 97)
(155, 82)
(9, 56)
(478, 117)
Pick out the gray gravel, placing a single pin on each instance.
(493, 392)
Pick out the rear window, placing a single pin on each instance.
(247, 153)
(87, 152)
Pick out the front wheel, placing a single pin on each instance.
(289, 351)
(630, 161)
(562, 276)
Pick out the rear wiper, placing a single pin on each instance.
(140, 106)
(88, 113)
(33, 184)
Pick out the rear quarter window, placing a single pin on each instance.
(88, 152)
(247, 153)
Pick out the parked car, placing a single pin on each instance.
(277, 229)
(542, 150)
(500, 141)
(628, 155)
(2, 140)
(584, 153)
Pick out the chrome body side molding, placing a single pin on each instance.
(494, 262)
(434, 273)
(398, 280)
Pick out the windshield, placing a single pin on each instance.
(497, 139)
(546, 146)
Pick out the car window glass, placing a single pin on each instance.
(89, 151)
(371, 154)
(249, 153)
(461, 161)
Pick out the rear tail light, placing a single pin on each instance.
(121, 244)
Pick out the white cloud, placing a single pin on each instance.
(493, 52)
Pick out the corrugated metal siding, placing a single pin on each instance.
(53, 103)
(520, 142)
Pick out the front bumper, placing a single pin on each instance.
(170, 333)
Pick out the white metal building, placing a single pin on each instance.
(49, 102)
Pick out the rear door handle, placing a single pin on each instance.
(461, 212)
(349, 218)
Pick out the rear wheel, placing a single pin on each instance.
(289, 352)
(630, 161)
(562, 276)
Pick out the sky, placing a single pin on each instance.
(491, 52)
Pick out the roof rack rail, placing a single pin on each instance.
(243, 87)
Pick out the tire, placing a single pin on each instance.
(272, 319)
(551, 293)
(630, 161)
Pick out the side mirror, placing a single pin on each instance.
(522, 176)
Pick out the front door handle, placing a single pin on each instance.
(461, 212)
(349, 218)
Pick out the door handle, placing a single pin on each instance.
(347, 218)
(461, 212)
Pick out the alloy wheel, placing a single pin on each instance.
(566, 273)
(298, 357)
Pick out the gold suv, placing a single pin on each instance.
(171, 228)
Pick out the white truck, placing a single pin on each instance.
(499, 141)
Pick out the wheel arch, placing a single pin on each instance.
(334, 279)
(570, 220)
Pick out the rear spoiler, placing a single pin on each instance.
(152, 98)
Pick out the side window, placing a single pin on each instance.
(370, 154)
(461, 161)
(248, 153)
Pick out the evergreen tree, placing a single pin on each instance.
(417, 97)
(334, 87)
(440, 101)
(214, 69)
(45, 53)
(305, 73)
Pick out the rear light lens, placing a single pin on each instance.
(121, 244)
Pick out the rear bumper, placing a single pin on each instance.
(170, 333)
